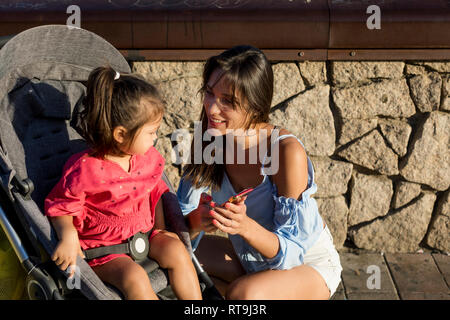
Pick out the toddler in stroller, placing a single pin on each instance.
(43, 76)
(106, 193)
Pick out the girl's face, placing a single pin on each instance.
(218, 105)
(145, 138)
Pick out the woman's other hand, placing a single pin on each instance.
(200, 219)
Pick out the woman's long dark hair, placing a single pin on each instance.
(128, 101)
(250, 75)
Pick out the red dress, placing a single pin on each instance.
(108, 204)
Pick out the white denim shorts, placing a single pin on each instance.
(324, 258)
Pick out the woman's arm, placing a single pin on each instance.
(233, 220)
(292, 177)
(159, 216)
(291, 180)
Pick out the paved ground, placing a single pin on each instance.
(400, 276)
(373, 276)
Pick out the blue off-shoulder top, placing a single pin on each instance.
(297, 223)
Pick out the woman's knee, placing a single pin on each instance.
(242, 289)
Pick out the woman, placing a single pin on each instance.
(278, 245)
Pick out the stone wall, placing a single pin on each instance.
(378, 134)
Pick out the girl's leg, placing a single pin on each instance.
(299, 283)
(127, 276)
(168, 250)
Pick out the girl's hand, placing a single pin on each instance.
(65, 254)
(232, 218)
(200, 219)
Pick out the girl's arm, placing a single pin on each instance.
(68, 248)
(64, 226)
(291, 181)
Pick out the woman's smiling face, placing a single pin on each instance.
(218, 104)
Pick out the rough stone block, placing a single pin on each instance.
(352, 129)
(309, 117)
(426, 91)
(429, 161)
(331, 176)
(399, 232)
(405, 192)
(397, 134)
(439, 233)
(445, 99)
(159, 71)
(334, 212)
(372, 152)
(386, 98)
(314, 72)
(350, 71)
(412, 69)
(287, 82)
(443, 67)
(370, 197)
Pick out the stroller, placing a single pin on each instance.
(43, 72)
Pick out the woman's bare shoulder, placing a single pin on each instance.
(290, 145)
(291, 178)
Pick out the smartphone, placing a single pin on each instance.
(236, 198)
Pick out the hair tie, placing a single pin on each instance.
(117, 76)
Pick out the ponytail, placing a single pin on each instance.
(112, 102)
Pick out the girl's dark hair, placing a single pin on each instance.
(128, 101)
(250, 75)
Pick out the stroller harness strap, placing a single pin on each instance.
(136, 246)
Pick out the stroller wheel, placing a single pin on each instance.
(35, 290)
(40, 286)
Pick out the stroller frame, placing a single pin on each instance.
(27, 229)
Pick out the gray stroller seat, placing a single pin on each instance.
(42, 75)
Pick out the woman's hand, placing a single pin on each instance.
(200, 219)
(232, 218)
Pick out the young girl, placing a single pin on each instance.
(113, 190)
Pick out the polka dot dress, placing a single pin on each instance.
(108, 204)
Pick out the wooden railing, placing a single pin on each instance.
(284, 29)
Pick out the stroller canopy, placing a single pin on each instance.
(59, 44)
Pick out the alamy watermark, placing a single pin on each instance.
(74, 20)
(217, 142)
(374, 280)
(374, 20)
(74, 281)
